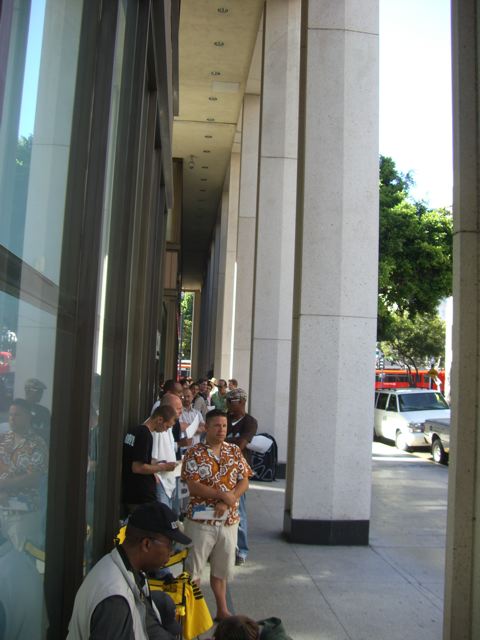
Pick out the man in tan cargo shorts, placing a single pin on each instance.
(217, 475)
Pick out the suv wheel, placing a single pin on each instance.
(438, 452)
(400, 441)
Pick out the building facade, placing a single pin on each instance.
(230, 149)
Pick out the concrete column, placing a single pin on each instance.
(222, 261)
(335, 302)
(247, 214)
(272, 315)
(228, 251)
(462, 579)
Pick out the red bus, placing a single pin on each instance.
(402, 378)
(5, 361)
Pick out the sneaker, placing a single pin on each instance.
(239, 560)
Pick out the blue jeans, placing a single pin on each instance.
(242, 540)
(162, 497)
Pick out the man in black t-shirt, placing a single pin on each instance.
(241, 428)
(138, 469)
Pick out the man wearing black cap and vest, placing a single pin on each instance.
(114, 601)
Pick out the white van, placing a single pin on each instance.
(400, 415)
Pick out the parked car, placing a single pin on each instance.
(437, 434)
(400, 415)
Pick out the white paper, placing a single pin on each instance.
(191, 430)
(260, 444)
(178, 469)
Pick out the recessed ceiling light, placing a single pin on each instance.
(223, 10)
(215, 73)
(219, 43)
(206, 151)
(213, 98)
(210, 119)
(207, 136)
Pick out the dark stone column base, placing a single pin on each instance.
(281, 472)
(326, 532)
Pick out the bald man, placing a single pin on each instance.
(165, 448)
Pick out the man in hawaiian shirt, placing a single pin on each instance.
(217, 475)
(23, 472)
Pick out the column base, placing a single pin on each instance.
(281, 471)
(326, 532)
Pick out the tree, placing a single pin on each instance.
(186, 308)
(415, 262)
(415, 342)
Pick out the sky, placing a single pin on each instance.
(415, 91)
(415, 94)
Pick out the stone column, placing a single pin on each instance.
(222, 230)
(462, 579)
(335, 301)
(247, 213)
(224, 333)
(272, 313)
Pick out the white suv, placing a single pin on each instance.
(400, 415)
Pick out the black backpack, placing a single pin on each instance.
(264, 465)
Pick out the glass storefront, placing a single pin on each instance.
(36, 105)
(83, 201)
(94, 441)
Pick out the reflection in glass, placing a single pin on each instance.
(94, 453)
(36, 109)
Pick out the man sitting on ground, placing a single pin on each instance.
(217, 475)
(114, 601)
(244, 628)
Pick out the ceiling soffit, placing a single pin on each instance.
(216, 44)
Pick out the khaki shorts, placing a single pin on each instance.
(217, 542)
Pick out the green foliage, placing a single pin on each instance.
(415, 342)
(415, 262)
(186, 308)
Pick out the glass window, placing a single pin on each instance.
(392, 403)
(36, 108)
(382, 400)
(94, 453)
(422, 401)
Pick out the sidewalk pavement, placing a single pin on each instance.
(389, 590)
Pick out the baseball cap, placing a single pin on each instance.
(158, 518)
(35, 383)
(237, 394)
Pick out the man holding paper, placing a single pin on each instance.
(191, 417)
(217, 476)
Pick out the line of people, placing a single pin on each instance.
(201, 439)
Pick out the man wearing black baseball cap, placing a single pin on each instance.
(114, 601)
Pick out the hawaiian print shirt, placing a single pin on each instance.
(202, 465)
(28, 456)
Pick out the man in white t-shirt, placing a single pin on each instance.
(165, 450)
(188, 415)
